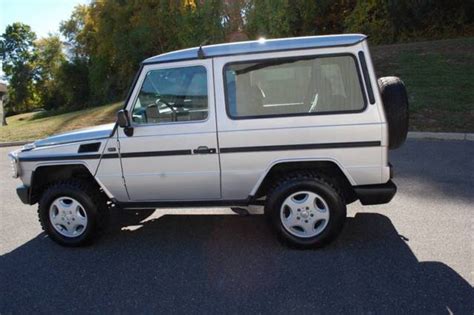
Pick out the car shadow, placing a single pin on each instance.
(218, 263)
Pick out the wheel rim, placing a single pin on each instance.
(68, 217)
(304, 214)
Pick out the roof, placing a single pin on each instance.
(259, 46)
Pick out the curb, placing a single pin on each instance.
(13, 144)
(441, 135)
(411, 135)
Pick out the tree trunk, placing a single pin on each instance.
(2, 112)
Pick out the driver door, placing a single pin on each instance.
(172, 154)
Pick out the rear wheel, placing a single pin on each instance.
(72, 211)
(306, 210)
(304, 214)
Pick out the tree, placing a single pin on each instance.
(431, 19)
(78, 31)
(18, 57)
(48, 63)
(3, 91)
(107, 39)
(269, 18)
(73, 84)
(284, 18)
(112, 37)
(372, 17)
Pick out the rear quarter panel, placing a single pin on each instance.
(242, 171)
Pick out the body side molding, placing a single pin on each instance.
(290, 147)
(309, 146)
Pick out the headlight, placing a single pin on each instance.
(14, 165)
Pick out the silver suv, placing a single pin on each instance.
(300, 126)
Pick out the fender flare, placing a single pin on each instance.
(292, 160)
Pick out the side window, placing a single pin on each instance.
(171, 95)
(291, 86)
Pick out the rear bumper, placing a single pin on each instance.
(376, 194)
(23, 193)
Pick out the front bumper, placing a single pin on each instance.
(23, 193)
(376, 194)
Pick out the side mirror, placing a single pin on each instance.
(123, 121)
(122, 118)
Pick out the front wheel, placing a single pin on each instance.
(71, 212)
(306, 210)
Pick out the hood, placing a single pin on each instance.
(97, 132)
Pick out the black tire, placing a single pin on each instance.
(92, 201)
(306, 181)
(395, 103)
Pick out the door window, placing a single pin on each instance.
(172, 95)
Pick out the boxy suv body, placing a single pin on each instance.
(298, 125)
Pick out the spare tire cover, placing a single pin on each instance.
(395, 103)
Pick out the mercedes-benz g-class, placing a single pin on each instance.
(300, 126)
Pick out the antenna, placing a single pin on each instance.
(201, 54)
(200, 51)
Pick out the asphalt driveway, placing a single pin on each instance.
(414, 255)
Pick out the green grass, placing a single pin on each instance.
(439, 76)
(32, 126)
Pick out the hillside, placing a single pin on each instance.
(30, 126)
(439, 76)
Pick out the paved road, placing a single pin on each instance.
(413, 255)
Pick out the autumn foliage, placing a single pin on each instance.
(105, 41)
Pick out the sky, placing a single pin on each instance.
(43, 16)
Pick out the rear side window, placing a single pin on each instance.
(290, 86)
(172, 95)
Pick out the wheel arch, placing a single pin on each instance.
(46, 174)
(328, 167)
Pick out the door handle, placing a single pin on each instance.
(204, 150)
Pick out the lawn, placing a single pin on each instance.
(29, 127)
(439, 76)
